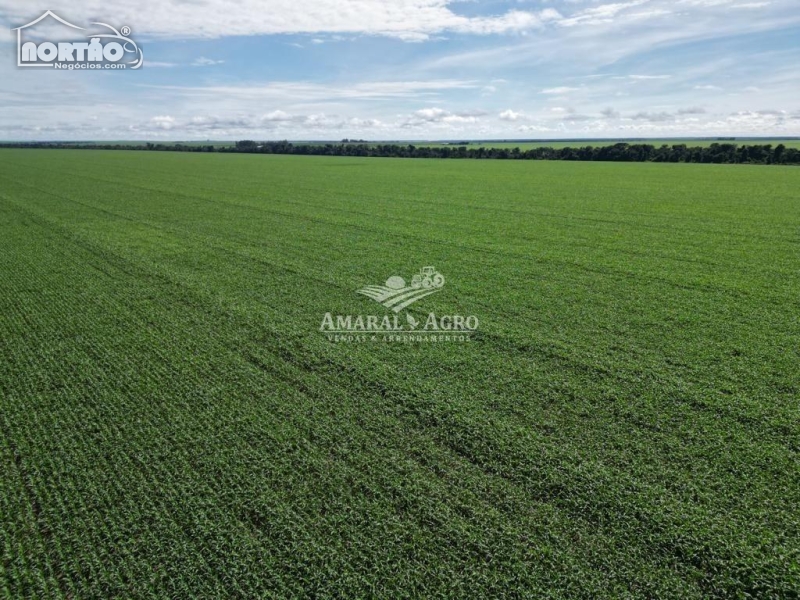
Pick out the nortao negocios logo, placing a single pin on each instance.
(395, 295)
(106, 48)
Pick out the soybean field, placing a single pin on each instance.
(623, 422)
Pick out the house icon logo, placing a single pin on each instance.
(107, 48)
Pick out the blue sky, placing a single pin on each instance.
(417, 69)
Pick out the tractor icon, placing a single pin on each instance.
(428, 277)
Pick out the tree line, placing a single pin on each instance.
(718, 153)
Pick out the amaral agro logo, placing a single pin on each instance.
(397, 295)
(106, 48)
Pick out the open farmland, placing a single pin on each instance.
(172, 423)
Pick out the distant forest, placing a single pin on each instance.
(719, 153)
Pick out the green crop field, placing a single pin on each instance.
(624, 422)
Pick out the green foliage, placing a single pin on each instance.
(625, 424)
(714, 152)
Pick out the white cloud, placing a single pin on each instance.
(535, 129)
(308, 91)
(559, 90)
(648, 77)
(206, 62)
(431, 114)
(426, 123)
(510, 115)
(321, 121)
(600, 14)
(248, 125)
(609, 56)
(440, 116)
(597, 43)
(163, 122)
(411, 20)
(277, 116)
(364, 123)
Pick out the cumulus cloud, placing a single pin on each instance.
(440, 115)
(510, 115)
(430, 123)
(277, 116)
(250, 125)
(364, 123)
(431, 114)
(163, 122)
(535, 129)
